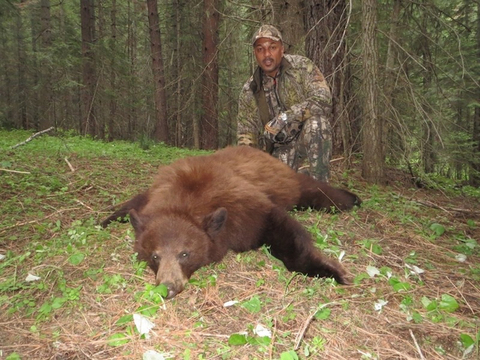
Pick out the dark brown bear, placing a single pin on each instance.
(236, 199)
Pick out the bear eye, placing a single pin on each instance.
(155, 257)
(184, 255)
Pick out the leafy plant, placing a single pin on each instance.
(289, 355)
(438, 307)
(118, 339)
(243, 339)
(13, 356)
(399, 285)
(253, 305)
(469, 344)
(438, 230)
(372, 245)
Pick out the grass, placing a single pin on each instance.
(413, 256)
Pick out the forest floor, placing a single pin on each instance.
(72, 290)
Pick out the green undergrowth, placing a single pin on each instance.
(411, 266)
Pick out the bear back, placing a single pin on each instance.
(244, 181)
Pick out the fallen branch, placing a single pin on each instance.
(435, 206)
(301, 333)
(33, 137)
(15, 171)
(416, 345)
(2, 230)
(82, 203)
(72, 169)
(306, 324)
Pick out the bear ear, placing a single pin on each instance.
(136, 221)
(214, 222)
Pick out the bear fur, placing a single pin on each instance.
(199, 208)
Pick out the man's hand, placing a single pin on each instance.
(282, 130)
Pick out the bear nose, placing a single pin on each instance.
(172, 290)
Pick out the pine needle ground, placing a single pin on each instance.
(412, 254)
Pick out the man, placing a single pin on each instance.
(285, 107)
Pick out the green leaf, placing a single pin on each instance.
(13, 356)
(398, 285)
(438, 229)
(323, 314)
(260, 340)
(448, 303)
(46, 308)
(428, 304)
(289, 355)
(373, 247)
(361, 276)
(155, 294)
(124, 320)
(118, 339)
(148, 310)
(466, 340)
(237, 339)
(377, 249)
(471, 223)
(76, 259)
(6, 165)
(161, 289)
(386, 271)
(417, 318)
(57, 303)
(254, 305)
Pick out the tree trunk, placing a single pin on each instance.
(34, 97)
(128, 132)
(326, 23)
(475, 164)
(101, 87)
(289, 18)
(21, 69)
(209, 119)
(428, 154)
(179, 128)
(46, 97)
(68, 98)
(88, 90)
(161, 119)
(390, 128)
(6, 88)
(46, 29)
(475, 174)
(373, 158)
(113, 72)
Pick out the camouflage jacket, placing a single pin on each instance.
(300, 93)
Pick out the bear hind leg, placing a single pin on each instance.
(321, 196)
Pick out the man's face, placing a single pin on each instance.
(269, 55)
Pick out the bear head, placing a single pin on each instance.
(174, 244)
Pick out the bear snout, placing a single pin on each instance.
(171, 275)
(173, 290)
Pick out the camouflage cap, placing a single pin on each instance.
(269, 32)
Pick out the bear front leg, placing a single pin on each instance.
(137, 203)
(291, 243)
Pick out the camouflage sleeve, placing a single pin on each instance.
(318, 99)
(249, 126)
(304, 81)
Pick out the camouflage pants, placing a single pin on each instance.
(311, 151)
